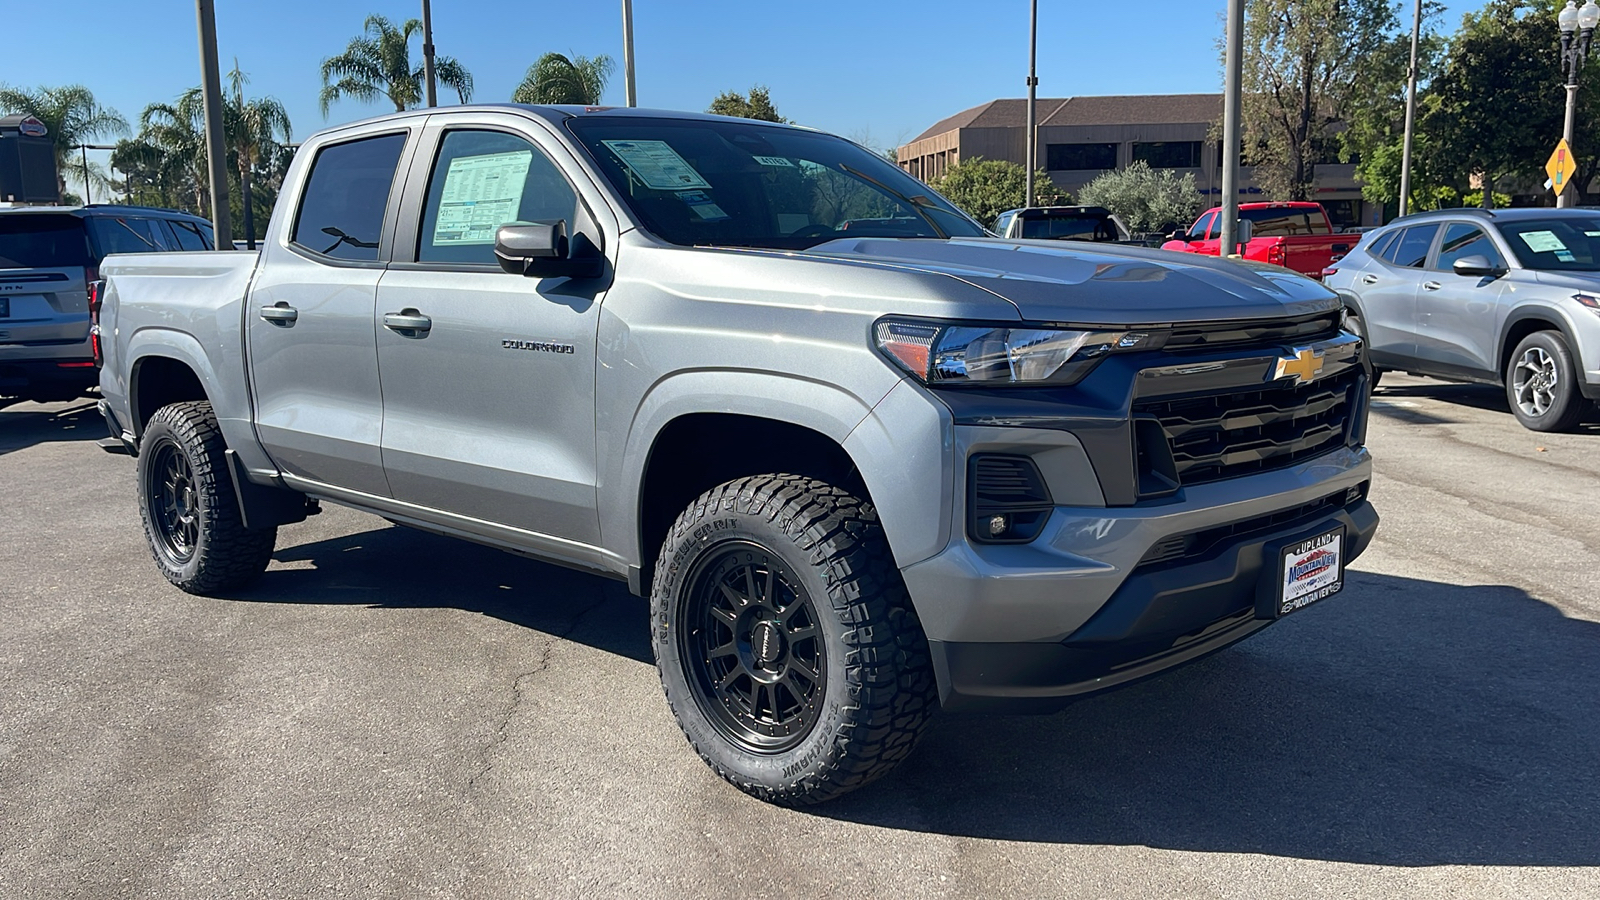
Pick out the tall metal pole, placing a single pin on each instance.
(1033, 85)
(427, 52)
(216, 152)
(1563, 199)
(1411, 112)
(627, 52)
(1233, 70)
(88, 192)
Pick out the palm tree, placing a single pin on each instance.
(378, 63)
(177, 132)
(554, 78)
(252, 128)
(73, 118)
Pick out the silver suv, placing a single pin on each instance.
(49, 263)
(1508, 297)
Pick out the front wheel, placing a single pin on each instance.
(191, 517)
(786, 643)
(1542, 383)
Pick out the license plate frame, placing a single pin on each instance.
(1308, 570)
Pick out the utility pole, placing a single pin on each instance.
(216, 151)
(88, 192)
(1411, 112)
(1033, 86)
(1233, 70)
(627, 52)
(427, 52)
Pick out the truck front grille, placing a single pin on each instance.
(1226, 435)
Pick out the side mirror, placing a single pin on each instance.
(541, 250)
(1247, 230)
(1179, 235)
(1474, 266)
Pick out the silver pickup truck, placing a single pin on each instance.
(865, 459)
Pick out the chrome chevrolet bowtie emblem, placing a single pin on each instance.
(1305, 365)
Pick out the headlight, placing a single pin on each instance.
(960, 353)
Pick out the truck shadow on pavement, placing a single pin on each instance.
(1388, 399)
(1406, 723)
(24, 425)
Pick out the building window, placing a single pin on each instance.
(1080, 156)
(1169, 154)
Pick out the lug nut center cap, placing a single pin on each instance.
(766, 643)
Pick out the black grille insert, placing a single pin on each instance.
(1260, 333)
(1226, 435)
(1181, 548)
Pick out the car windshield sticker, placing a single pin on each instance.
(1591, 234)
(481, 193)
(1542, 241)
(1564, 255)
(701, 205)
(773, 161)
(657, 165)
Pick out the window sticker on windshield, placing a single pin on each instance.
(1564, 255)
(1591, 234)
(657, 165)
(480, 194)
(701, 205)
(1542, 241)
(773, 161)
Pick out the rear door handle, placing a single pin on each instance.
(1431, 285)
(1369, 279)
(408, 320)
(280, 313)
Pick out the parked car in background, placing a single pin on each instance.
(49, 265)
(1061, 223)
(1508, 297)
(1297, 236)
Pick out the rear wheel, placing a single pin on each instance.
(786, 643)
(1542, 383)
(191, 517)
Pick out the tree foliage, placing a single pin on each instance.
(985, 188)
(553, 78)
(377, 63)
(73, 118)
(1307, 64)
(755, 105)
(1146, 199)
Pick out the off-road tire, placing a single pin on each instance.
(877, 692)
(223, 554)
(1566, 404)
(1358, 327)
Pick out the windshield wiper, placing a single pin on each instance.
(919, 203)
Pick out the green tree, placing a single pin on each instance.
(171, 146)
(756, 105)
(378, 64)
(553, 78)
(1145, 199)
(73, 118)
(985, 188)
(1374, 134)
(1305, 62)
(252, 128)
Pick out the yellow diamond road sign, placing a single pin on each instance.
(1560, 167)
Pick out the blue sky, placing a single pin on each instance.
(868, 68)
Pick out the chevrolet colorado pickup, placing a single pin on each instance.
(1297, 236)
(860, 473)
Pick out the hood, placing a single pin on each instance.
(1099, 284)
(1578, 281)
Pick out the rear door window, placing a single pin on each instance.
(127, 234)
(342, 207)
(1411, 251)
(29, 241)
(188, 235)
(1282, 222)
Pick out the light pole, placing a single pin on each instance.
(216, 149)
(627, 52)
(427, 52)
(1032, 150)
(1232, 73)
(1577, 28)
(1411, 113)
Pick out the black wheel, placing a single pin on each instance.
(191, 517)
(1358, 328)
(786, 643)
(1542, 383)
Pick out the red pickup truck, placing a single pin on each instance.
(1297, 236)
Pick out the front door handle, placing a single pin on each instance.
(408, 322)
(1431, 285)
(280, 313)
(1369, 279)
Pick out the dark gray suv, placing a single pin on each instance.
(49, 262)
(1508, 297)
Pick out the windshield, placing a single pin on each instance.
(30, 240)
(696, 182)
(1086, 227)
(1567, 244)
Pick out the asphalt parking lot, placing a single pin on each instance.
(392, 714)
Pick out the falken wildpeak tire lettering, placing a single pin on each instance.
(223, 554)
(1542, 383)
(879, 690)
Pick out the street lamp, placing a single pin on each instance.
(1577, 29)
